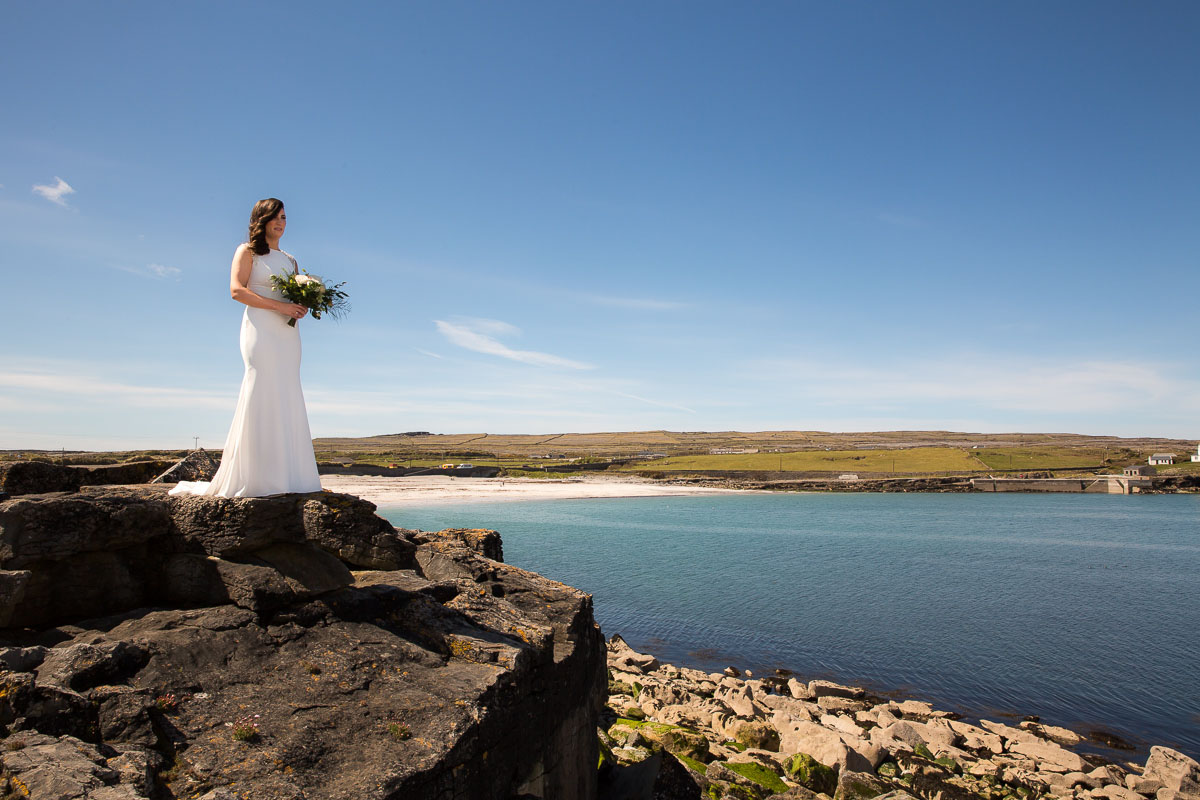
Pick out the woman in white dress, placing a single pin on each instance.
(269, 447)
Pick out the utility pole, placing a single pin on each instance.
(195, 442)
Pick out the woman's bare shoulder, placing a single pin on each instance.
(243, 249)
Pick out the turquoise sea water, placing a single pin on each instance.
(1082, 609)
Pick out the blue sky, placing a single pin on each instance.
(607, 216)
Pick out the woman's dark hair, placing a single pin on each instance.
(264, 211)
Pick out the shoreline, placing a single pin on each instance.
(1096, 738)
(734, 728)
(430, 490)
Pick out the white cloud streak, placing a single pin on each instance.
(158, 271)
(73, 387)
(1043, 386)
(479, 336)
(658, 403)
(55, 194)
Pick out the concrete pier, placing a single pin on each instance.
(1101, 484)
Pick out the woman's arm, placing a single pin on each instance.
(239, 276)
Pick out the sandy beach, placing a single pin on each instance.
(440, 489)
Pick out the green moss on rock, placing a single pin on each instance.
(760, 774)
(607, 759)
(811, 774)
(859, 786)
(949, 763)
(758, 735)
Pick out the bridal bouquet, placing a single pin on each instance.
(312, 293)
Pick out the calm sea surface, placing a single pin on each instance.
(1082, 609)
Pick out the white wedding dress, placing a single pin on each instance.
(269, 447)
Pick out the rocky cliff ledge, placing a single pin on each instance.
(285, 648)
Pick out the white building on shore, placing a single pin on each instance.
(1161, 459)
(1196, 455)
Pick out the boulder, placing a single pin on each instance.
(483, 541)
(198, 465)
(758, 735)
(840, 705)
(739, 698)
(797, 793)
(1054, 733)
(751, 779)
(676, 740)
(976, 738)
(859, 786)
(1113, 792)
(819, 689)
(64, 768)
(1143, 785)
(841, 724)
(829, 747)
(811, 773)
(799, 690)
(1176, 771)
(1049, 756)
(674, 780)
(913, 709)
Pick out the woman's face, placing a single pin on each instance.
(277, 224)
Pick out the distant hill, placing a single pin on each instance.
(674, 443)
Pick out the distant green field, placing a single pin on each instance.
(1041, 457)
(912, 460)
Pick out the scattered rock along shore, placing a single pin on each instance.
(675, 733)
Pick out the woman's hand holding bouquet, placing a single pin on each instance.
(312, 293)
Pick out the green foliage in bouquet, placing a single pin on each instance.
(312, 293)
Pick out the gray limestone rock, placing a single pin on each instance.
(476, 679)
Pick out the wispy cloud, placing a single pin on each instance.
(429, 353)
(48, 385)
(980, 381)
(154, 271)
(55, 194)
(658, 403)
(479, 335)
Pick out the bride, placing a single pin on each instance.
(269, 447)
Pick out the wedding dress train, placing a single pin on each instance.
(269, 447)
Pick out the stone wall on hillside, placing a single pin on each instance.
(282, 648)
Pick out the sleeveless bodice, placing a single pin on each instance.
(275, 262)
